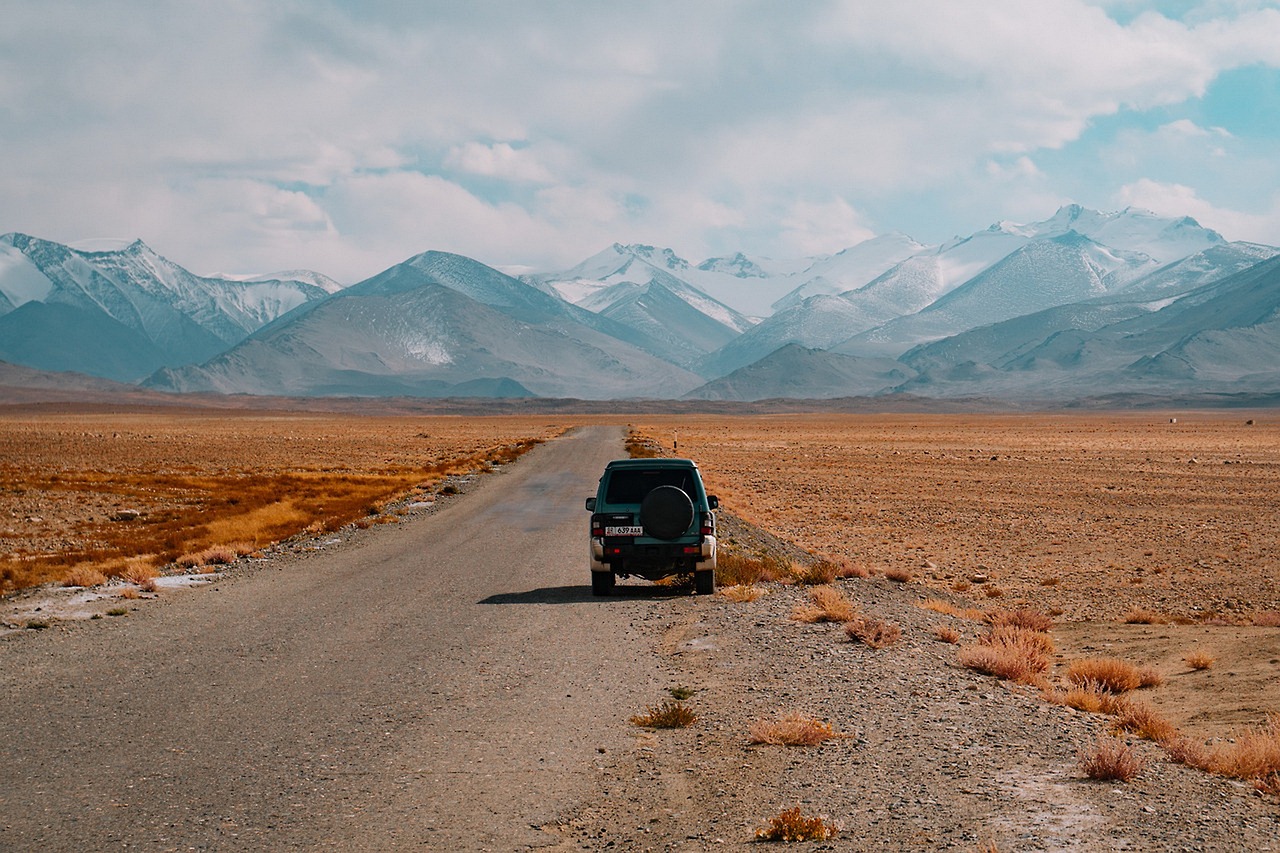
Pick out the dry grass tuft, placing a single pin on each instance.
(973, 614)
(1200, 659)
(792, 729)
(828, 604)
(1141, 719)
(741, 592)
(1011, 653)
(1030, 620)
(1110, 759)
(946, 634)
(993, 592)
(1266, 619)
(668, 715)
(899, 575)
(84, 576)
(1110, 674)
(1142, 616)
(130, 593)
(794, 825)
(854, 570)
(875, 633)
(1087, 697)
(139, 572)
(734, 569)
(816, 574)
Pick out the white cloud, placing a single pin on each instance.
(1178, 200)
(499, 160)
(325, 135)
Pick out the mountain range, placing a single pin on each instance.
(1080, 304)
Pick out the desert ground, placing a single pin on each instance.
(1146, 536)
(1104, 521)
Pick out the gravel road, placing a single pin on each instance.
(449, 683)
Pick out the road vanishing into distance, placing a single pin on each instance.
(445, 683)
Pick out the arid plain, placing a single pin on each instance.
(1095, 519)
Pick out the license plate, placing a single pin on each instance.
(624, 531)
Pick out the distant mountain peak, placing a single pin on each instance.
(651, 254)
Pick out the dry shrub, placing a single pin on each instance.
(1266, 619)
(741, 592)
(973, 614)
(854, 570)
(1109, 759)
(1110, 674)
(1255, 754)
(1087, 697)
(1141, 719)
(946, 634)
(1142, 616)
(815, 574)
(1011, 653)
(899, 575)
(794, 825)
(149, 585)
(1200, 659)
(828, 604)
(993, 592)
(1149, 676)
(668, 715)
(875, 633)
(139, 571)
(961, 586)
(130, 593)
(734, 569)
(188, 561)
(84, 576)
(1050, 580)
(792, 729)
(1031, 620)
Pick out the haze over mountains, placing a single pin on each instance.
(1081, 304)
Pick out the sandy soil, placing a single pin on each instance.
(1086, 517)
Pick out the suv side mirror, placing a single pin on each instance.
(713, 501)
(591, 504)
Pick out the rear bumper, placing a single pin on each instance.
(651, 559)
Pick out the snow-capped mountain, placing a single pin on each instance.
(1060, 307)
(156, 312)
(436, 325)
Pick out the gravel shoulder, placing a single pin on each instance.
(449, 683)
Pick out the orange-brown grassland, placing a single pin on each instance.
(1152, 538)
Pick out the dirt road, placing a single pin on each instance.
(446, 682)
(449, 683)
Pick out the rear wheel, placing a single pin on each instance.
(601, 583)
(704, 583)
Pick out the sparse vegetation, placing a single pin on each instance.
(83, 576)
(827, 604)
(1253, 755)
(1141, 719)
(1142, 616)
(195, 480)
(668, 715)
(794, 825)
(899, 575)
(118, 611)
(792, 729)
(873, 632)
(741, 592)
(946, 634)
(1009, 652)
(681, 692)
(1266, 619)
(1110, 674)
(1110, 759)
(815, 574)
(1029, 620)
(737, 569)
(1200, 659)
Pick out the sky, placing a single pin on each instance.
(345, 136)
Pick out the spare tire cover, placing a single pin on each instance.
(666, 512)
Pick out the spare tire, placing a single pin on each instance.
(666, 512)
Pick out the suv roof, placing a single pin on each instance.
(652, 463)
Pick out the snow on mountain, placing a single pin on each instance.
(310, 277)
(179, 317)
(427, 327)
(1041, 274)
(852, 268)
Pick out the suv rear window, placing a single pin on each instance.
(630, 487)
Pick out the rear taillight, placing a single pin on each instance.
(708, 527)
(597, 525)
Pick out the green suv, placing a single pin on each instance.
(651, 518)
